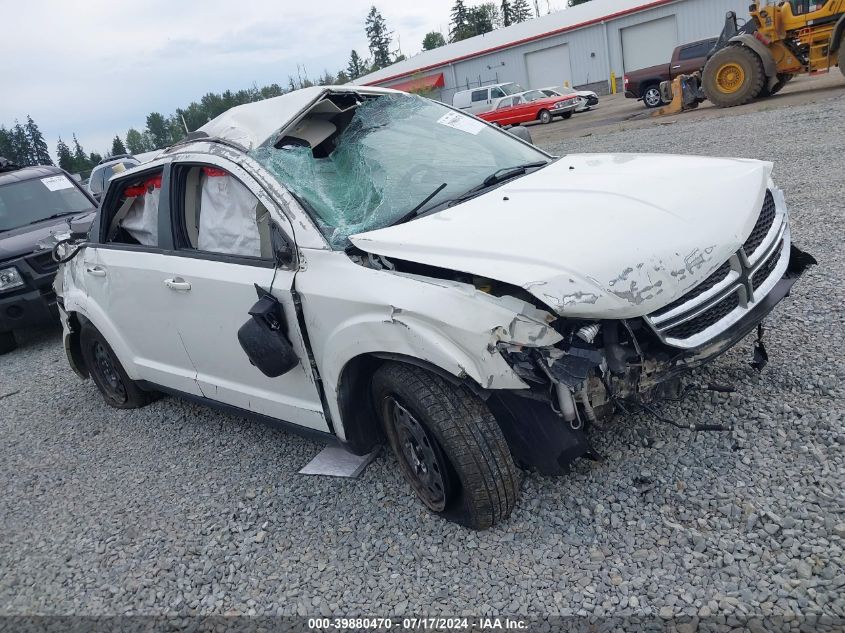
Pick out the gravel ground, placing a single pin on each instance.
(178, 509)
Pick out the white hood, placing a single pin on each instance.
(594, 235)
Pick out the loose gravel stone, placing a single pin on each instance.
(178, 509)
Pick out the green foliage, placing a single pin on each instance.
(379, 39)
(356, 66)
(117, 146)
(37, 146)
(507, 13)
(460, 25)
(520, 11)
(64, 154)
(135, 141)
(433, 40)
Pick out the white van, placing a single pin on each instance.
(485, 98)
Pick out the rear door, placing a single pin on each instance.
(221, 222)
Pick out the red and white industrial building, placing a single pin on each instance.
(582, 46)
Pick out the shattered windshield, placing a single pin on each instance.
(366, 167)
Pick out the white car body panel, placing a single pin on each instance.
(606, 236)
(352, 310)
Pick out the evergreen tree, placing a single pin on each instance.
(39, 154)
(506, 11)
(158, 130)
(94, 158)
(64, 154)
(520, 11)
(484, 18)
(356, 66)
(327, 79)
(117, 147)
(461, 28)
(80, 160)
(342, 78)
(433, 40)
(21, 151)
(379, 38)
(5, 143)
(135, 141)
(573, 3)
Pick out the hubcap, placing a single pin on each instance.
(652, 96)
(730, 77)
(105, 366)
(419, 455)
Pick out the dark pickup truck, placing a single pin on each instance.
(34, 202)
(687, 58)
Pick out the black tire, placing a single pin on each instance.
(652, 97)
(567, 115)
(841, 58)
(118, 389)
(7, 342)
(751, 85)
(544, 117)
(449, 446)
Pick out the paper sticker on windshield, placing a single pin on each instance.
(461, 122)
(56, 183)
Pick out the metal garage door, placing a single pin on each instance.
(548, 67)
(649, 43)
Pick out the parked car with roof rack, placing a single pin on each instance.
(34, 202)
(476, 303)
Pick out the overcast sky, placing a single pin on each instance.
(98, 67)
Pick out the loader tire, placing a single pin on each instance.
(783, 79)
(841, 58)
(734, 76)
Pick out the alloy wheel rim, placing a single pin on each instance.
(652, 96)
(105, 366)
(419, 455)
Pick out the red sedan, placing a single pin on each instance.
(515, 110)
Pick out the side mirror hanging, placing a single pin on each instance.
(284, 252)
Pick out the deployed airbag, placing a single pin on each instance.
(141, 221)
(228, 215)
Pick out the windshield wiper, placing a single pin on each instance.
(55, 216)
(497, 177)
(413, 212)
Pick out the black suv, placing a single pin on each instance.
(34, 202)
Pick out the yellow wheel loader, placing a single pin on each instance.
(780, 40)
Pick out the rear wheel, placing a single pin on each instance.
(449, 446)
(7, 342)
(118, 389)
(544, 117)
(651, 97)
(733, 76)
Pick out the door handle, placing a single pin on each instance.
(178, 284)
(676, 67)
(96, 271)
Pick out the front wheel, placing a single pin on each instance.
(449, 446)
(733, 76)
(652, 98)
(7, 342)
(544, 117)
(567, 115)
(117, 388)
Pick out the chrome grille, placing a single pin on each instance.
(731, 290)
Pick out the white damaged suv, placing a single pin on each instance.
(367, 265)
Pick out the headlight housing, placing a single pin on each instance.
(10, 278)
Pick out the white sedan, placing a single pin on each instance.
(589, 99)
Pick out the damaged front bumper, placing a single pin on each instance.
(598, 365)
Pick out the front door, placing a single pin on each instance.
(222, 250)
